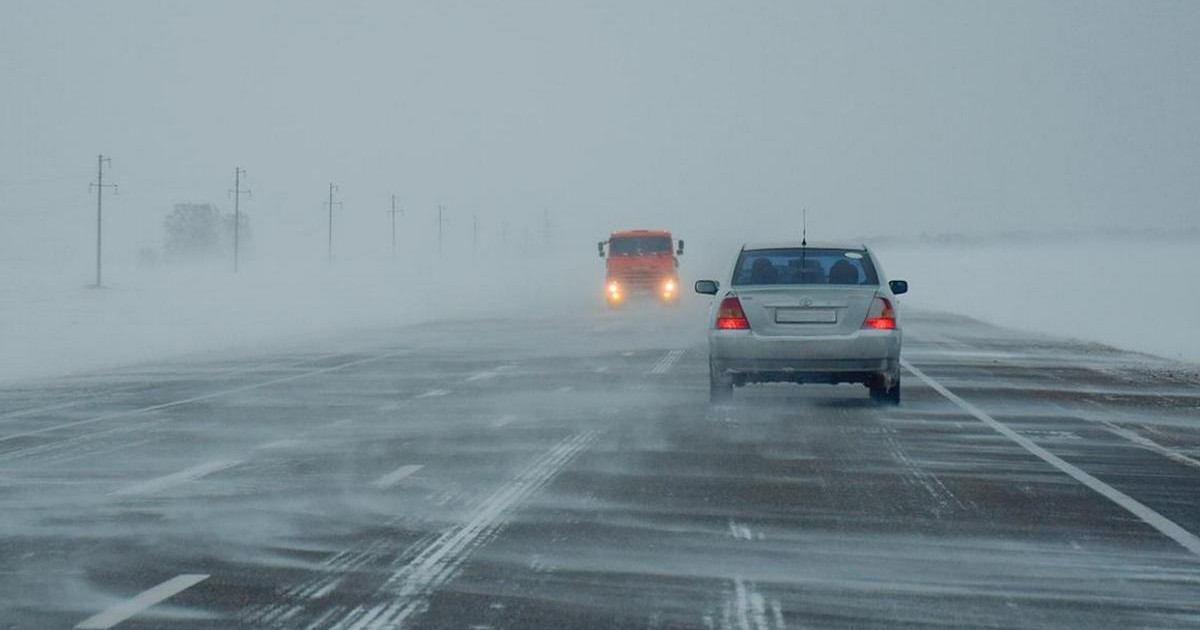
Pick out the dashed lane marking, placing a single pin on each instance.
(664, 364)
(396, 476)
(128, 608)
(433, 393)
(174, 479)
(1152, 518)
(280, 444)
(504, 420)
(490, 374)
(408, 590)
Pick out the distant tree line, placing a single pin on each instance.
(199, 231)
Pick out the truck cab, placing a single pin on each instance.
(641, 264)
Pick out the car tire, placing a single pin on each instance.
(886, 395)
(720, 390)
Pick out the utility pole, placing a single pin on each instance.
(441, 226)
(100, 185)
(393, 212)
(237, 193)
(332, 188)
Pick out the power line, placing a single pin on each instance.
(100, 186)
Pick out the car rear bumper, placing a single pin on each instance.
(864, 357)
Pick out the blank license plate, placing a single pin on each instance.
(805, 316)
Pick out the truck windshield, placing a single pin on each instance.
(805, 266)
(639, 245)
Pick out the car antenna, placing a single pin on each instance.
(804, 234)
(804, 244)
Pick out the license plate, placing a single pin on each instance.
(805, 316)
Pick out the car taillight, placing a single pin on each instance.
(730, 315)
(881, 316)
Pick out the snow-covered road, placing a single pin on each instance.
(546, 473)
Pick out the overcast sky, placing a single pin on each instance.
(703, 117)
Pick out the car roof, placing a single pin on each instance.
(797, 245)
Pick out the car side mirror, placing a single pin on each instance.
(679, 252)
(600, 247)
(898, 287)
(707, 287)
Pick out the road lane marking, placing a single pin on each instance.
(433, 393)
(128, 608)
(396, 476)
(185, 401)
(166, 481)
(279, 444)
(748, 609)
(664, 364)
(1146, 442)
(1152, 518)
(490, 374)
(408, 590)
(503, 420)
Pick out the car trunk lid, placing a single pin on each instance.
(806, 310)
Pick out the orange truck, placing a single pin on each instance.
(641, 263)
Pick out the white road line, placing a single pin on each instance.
(185, 401)
(166, 481)
(284, 443)
(503, 420)
(739, 531)
(1146, 442)
(664, 364)
(489, 374)
(1152, 518)
(409, 588)
(126, 609)
(433, 393)
(396, 476)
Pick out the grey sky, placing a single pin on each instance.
(700, 116)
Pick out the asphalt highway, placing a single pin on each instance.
(570, 473)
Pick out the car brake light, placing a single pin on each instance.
(881, 316)
(730, 315)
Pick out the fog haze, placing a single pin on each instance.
(542, 127)
(712, 119)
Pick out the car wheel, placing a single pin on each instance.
(720, 390)
(884, 395)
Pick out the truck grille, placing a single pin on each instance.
(640, 279)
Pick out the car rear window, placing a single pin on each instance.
(805, 265)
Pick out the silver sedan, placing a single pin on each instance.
(805, 313)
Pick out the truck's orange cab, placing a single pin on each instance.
(641, 263)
